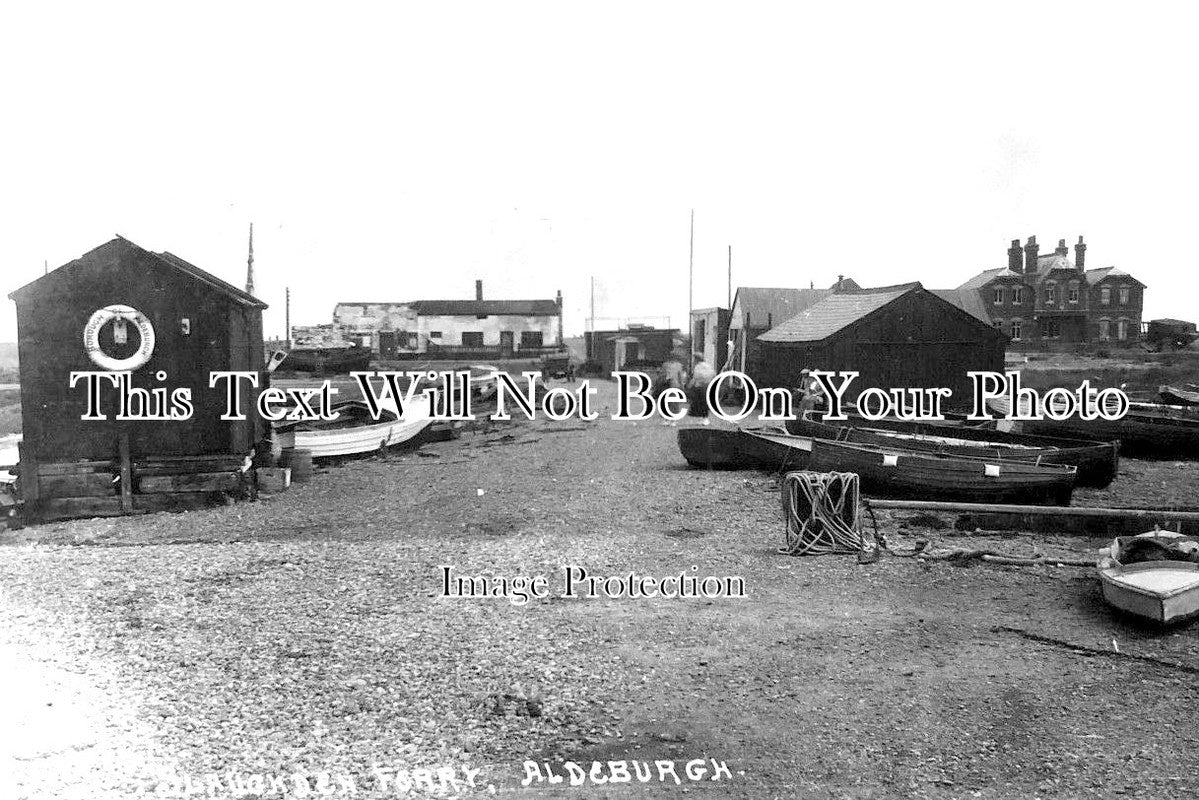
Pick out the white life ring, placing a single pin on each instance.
(91, 338)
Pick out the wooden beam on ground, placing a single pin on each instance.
(1147, 514)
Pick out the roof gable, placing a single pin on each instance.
(169, 260)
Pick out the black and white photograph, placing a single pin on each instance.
(566, 400)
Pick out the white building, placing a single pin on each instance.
(501, 328)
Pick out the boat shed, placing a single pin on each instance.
(168, 325)
(893, 336)
(631, 348)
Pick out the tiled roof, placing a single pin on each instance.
(1096, 275)
(833, 313)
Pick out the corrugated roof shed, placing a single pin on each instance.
(835, 312)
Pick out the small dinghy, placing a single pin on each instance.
(1172, 395)
(355, 431)
(1154, 576)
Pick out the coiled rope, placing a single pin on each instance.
(821, 511)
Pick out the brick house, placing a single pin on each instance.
(1050, 302)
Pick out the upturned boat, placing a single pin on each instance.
(1153, 576)
(897, 472)
(1097, 462)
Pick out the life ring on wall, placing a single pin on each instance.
(91, 338)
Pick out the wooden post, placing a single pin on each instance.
(126, 473)
(30, 490)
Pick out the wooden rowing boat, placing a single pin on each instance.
(1172, 395)
(328, 360)
(1152, 576)
(715, 446)
(1148, 430)
(355, 431)
(896, 472)
(1097, 462)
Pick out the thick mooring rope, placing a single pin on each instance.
(821, 510)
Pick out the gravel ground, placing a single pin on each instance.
(305, 634)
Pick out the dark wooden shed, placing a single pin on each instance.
(197, 323)
(894, 336)
(634, 347)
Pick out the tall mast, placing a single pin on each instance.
(691, 299)
(250, 266)
(730, 276)
(287, 314)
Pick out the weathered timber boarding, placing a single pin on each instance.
(197, 323)
(893, 336)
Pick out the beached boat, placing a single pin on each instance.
(1153, 576)
(717, 446)
(1097, 462)
(327, 360)
(896, 472)
(1148, 430)
(1172, 395)
(355, 431)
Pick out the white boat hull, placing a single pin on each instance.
(358, 439)
(1160, 591)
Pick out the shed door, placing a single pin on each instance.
(506, 344)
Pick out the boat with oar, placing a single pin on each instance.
(1147, 431)
(355, 431)
(1153, 576)
(897, 472)
(1175, 396)
(1097, 462)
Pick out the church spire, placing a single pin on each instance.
(250, 264)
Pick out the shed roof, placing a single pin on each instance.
(463, 308)
(835, 312)
(968, 301)
(170, 260)
(761, 305)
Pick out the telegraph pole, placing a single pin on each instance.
(730, 276)
(287, 314)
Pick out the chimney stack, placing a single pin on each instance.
(1030, 255)
(1015, 259)
(479, 290)
(1061, 250)
(1080, 254)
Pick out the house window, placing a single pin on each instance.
(998, 295)
(1124, 292)
(1016, 329)
(530, 340)
(434, 334)
(472, 338)
(1105, 330)
(480, 316)
(1050, 294)
(1122, 329)
(1073, 296)
(1105, 296)
(1017, 295)
(1050, 329)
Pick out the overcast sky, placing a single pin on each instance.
(399, 151)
